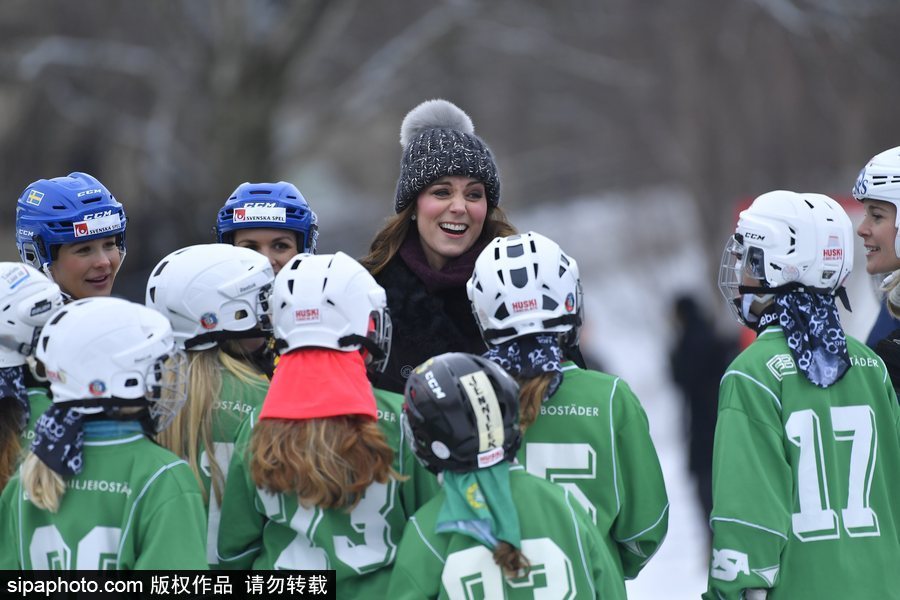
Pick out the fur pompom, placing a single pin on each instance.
(434, 114)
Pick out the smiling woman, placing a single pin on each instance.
(447, 210)
(878, 188)
(73, 230)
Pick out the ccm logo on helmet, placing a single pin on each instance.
(434, 385)
(87, 193)
(754, 236)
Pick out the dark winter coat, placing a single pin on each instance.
(425, 322)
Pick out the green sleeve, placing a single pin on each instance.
(643, 518)
(422, 484)
(241, 541)
(752, 492)
(416, 573)
(173, 535)
(9, 535)
(604, 571)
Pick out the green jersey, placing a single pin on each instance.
(39, 401)
(273, 531)
(236, 402)
(567, 555)
(592, 437)
(135, 505)
(804, 479)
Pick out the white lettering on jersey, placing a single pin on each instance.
(781, 365)
(728, 564)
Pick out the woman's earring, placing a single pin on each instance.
(412, 218)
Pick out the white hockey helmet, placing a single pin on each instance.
(107, 352)
(27, 300)
(525, 284)
(787, 239)
(212, 292)
(880, 180)
(331, 301)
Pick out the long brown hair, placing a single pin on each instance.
(388, 241)
(511, 560)
(532, 393)
(327, 462)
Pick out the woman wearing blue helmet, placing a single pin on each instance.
(73, 230)
(273, 219)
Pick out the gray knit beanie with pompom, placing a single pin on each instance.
(439, 139)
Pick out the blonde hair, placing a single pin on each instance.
(44, 486)
(891, 288)
(387, 242)
(327, 462)
(10, 447)
(191, 430)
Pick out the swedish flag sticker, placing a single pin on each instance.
(35, 197)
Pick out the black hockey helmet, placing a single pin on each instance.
(461, 413)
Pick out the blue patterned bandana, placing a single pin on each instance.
(12, 385)
(529, 356)
(814, 334)
(59, 440)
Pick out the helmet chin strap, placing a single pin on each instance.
(747, 302)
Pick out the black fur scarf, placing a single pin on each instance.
(425, 324)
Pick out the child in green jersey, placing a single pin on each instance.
(216, 297)
(494, 527)
(28, 299)
(806, 445)
(96, 492)
(583, 429)
(322, 480)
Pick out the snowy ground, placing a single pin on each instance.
(635, 254)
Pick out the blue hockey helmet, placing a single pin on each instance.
(275, 205)
(65, 210)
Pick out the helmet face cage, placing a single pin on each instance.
(268, 205)
(167, 387)
(525, 284)
(381, 330)
(734, 272)
(264, 308)
(461, 413)
(65, 210)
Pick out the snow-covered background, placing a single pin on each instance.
(635, 254)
